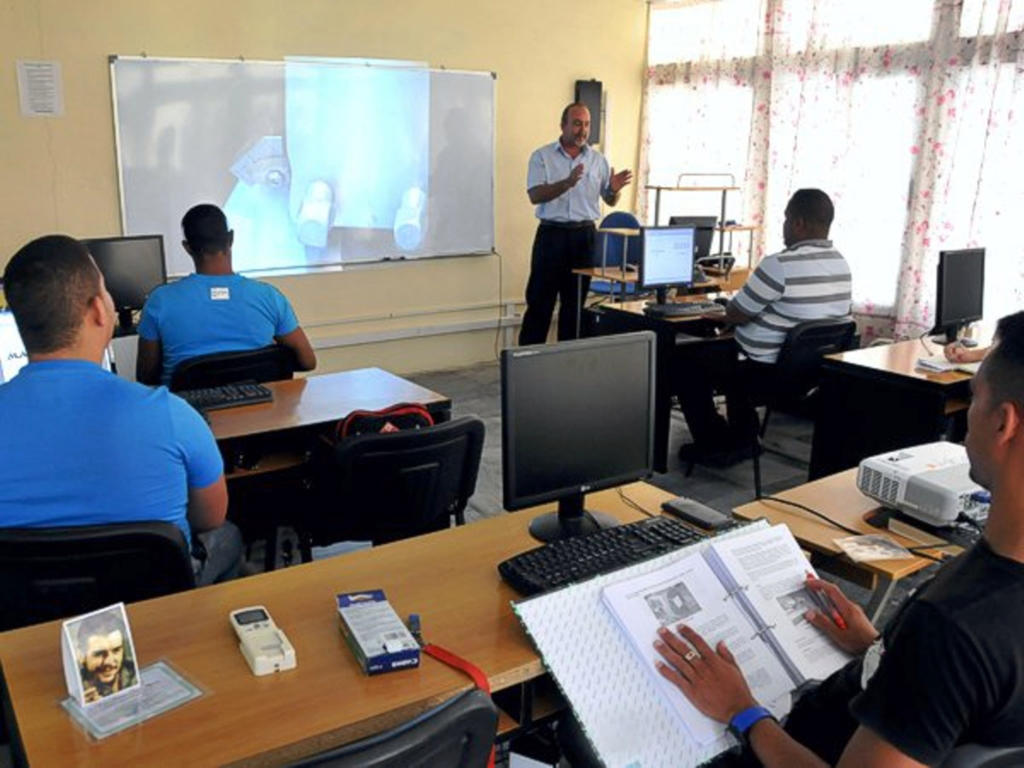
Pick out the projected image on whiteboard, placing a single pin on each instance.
(349, 178)
(315, 162)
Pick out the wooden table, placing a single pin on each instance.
(837, 497)
(875, 400)
(322, 399)
(449, 578)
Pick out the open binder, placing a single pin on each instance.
(748, 591)
(602, 657)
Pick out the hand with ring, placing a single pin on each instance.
(709, 678)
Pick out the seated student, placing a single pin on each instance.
(213, 310)
(949, 667)
(84, 447)
(809, 280)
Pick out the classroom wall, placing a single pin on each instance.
(59, 174)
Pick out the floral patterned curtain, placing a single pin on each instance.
(902, 110)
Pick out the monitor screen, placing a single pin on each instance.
(667, 256)
(12, 351)
(132, 267)
(577, 416)
(961, 288)
(705, 226)
(13, 356)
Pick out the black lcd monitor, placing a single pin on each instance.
(705, 226)
(666, 258)
(576, 417)
(960, 296)
(132, 267)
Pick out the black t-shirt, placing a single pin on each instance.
(952, 671)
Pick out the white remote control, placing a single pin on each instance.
(262, 644)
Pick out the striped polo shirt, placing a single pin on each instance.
(808, 281)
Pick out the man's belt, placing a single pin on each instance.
(587, 224)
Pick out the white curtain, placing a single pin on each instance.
(902, 110)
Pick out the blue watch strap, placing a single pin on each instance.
(742, 721)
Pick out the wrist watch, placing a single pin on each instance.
(743, 721)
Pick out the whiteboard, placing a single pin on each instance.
(316, 162)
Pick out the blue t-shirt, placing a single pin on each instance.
(84, 447)
(202, 314)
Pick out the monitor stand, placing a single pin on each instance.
(125, 327)
(661, 295)
(570, 520)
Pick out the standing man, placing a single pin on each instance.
(564, 180)
(213, 310)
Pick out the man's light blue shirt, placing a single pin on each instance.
(84, 447)
(552, 163)
(203, 314)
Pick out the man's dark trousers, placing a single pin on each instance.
(558, 249)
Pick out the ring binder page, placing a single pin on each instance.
(597, 640)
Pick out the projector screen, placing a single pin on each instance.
(316, 162)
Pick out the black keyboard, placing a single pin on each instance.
(682, 308)
(226, 396)
(570, 560)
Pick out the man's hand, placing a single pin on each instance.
(619, 180)
(958, 353)
(859, 632)
(710, 679)
(574, 175)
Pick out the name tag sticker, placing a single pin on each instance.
(220, 294)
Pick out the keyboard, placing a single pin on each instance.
(683, 309)
(226, 396)
(570, 560)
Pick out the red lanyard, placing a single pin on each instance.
(475, 673)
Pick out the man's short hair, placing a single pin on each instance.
(206, 229)
(49, 284)
(813, 206)
(1003, 368)
(101, 625)
(565, 112)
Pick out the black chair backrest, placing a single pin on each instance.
(457, 734)
(400, 484)
(272, 363)
(799, 362)
(51, 573)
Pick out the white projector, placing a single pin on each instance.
(929, 482)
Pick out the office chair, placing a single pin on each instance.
(797, 372)
(271, 363)
(977, 756)
(613, 259)
(394, 485)
(51, 573)
(457, 734)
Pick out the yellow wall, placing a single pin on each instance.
(60, 174)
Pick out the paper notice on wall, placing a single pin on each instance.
(40, 88)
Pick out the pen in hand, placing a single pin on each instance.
(827, 607)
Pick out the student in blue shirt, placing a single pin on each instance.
(564, 180)
(84, 447)
(213, 310)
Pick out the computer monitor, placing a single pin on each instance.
(13, 356)
(576, 417)
(666, 258)
(132, 267)
(705, 226)
(961, 290)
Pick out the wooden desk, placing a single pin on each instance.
(876, 400)
(323, 399)
(837, 497)
(673, 346)
(449, 578)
